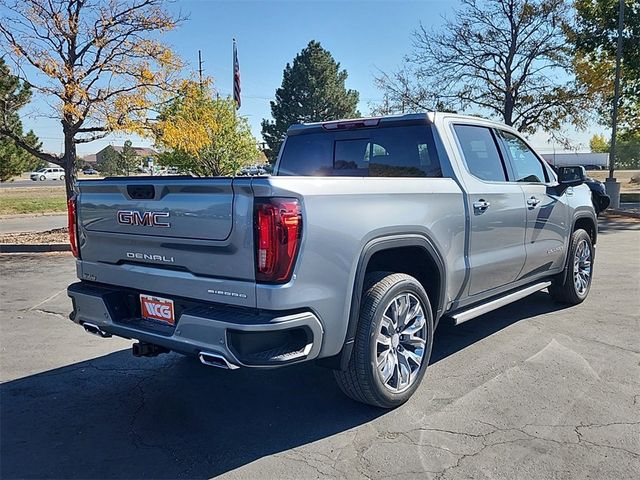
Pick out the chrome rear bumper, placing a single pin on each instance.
(242, 337)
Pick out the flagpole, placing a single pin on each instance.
(236, 76)
(233, 80)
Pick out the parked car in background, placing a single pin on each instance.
(90, 171)
(599, 195)
(254, 171)
(54, 173)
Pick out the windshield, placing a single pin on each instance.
(398, 151)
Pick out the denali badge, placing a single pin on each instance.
(149, 256)
(148, 219)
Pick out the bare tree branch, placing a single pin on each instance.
(508, 58)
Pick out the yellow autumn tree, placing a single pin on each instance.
(202, 133)
(100, 65)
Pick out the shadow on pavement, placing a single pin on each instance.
(168, 417)
(450, 339)
(610, 223)
(118, 417)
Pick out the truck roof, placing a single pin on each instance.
(412, 118)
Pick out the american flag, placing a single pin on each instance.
(236, 76)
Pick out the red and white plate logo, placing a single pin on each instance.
(155, 308)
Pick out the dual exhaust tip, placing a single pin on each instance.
(95, 330)
(216, 360)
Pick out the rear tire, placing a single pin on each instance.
(393, 341)
(573, 284)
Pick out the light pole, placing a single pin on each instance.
(613, 187)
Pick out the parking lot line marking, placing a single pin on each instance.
(46, 300)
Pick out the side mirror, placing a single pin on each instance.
(571, 176)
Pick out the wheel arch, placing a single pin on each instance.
(587, 222)
(414, 254)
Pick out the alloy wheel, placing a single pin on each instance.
(582, 267)
(400, 342)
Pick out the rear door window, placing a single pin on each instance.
(390, 151)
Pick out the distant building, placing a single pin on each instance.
(587, 160)
(142, 152)
(90, 159)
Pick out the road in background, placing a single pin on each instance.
(31, 183)
(23, 223)
(532, 390)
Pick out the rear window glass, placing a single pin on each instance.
(401, 151)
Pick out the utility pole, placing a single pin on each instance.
(613, 187)
(200, 62)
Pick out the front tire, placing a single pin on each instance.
(573, 284)
(393, 341)
(42, 178)
(62, 177)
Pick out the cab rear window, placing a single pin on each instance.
(400, 151)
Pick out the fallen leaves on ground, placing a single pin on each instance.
(57, 235)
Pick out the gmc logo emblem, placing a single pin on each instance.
(146, 219)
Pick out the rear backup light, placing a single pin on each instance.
(73, 232)
(278, 229)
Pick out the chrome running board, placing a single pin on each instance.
(474, 312)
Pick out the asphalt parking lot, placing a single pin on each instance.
(533, 390)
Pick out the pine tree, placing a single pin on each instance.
(110, 163)
(14, 95)
(313, 90)
(128, 158)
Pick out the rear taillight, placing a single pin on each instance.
(73, 232)
(278, 229)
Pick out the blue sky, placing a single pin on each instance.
(364, 36)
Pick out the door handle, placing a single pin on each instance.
(481, 205)
(533, 202)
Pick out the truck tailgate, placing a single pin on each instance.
(191, 209)
(183, 230)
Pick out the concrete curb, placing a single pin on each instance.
(34, 247)
(629, 197)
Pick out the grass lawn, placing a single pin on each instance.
(623, 176)
(32, 200)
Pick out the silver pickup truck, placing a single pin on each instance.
(369, 232)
